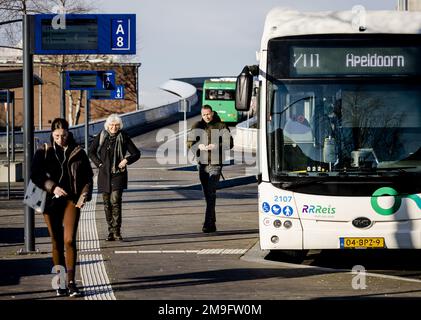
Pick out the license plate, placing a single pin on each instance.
(351, 243)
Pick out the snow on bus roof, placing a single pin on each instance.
(223, 79)
(282, 22)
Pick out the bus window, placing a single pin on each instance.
(219, 94)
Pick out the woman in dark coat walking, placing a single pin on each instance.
(64, 171)
(108, 152)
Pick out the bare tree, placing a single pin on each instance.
(14, 9)
(11, 34)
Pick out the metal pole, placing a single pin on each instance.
(87, 111)
(28, 132)
(185, 129)
(40, 101)
(13, 130)
(137, 89)
(6, 105)
(62, 96)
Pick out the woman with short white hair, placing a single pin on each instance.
(113, 118)
(108, 152)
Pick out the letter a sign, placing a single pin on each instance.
(120, 29)
(118, 93)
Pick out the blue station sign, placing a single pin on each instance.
(90, 80)
(84, 34)
(117, 94)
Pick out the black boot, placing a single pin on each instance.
(110, 237)
(118, 236)
(207, 228)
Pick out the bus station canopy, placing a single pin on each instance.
(10, 79)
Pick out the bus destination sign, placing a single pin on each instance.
(353, 61)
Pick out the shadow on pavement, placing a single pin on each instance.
(213, 277)
(191, 235)
(12, 270)
(16, 235)
(392, 262)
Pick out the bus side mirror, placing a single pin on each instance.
(244, 90)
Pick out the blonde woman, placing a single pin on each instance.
(112, 151)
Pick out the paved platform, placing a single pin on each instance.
(165, 256)
(159, 220)
(163, 211)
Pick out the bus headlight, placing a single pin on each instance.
(277, 223)
(274, 239)
(287, 224)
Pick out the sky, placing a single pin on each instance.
(194, 38)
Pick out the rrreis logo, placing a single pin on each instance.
(318, 209)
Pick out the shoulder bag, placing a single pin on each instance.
(35, 197)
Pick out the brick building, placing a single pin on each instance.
(47, 96)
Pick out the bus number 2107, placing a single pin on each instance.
(282, 198)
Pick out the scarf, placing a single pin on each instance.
(118, 153)
(118, 149)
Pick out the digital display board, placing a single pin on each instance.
(311, 61)
(117, 94)
(89, 80)
(84, 34)
(100, 94)
(344, 56)
(82, 80)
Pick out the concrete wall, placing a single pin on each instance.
(245, 136)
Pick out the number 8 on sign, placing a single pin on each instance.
(120, 29)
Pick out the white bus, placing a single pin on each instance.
(339, 130)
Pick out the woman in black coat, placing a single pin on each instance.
(108, 152)
(64, 171)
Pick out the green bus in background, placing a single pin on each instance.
(219, 93)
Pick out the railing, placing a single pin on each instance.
(135, 123)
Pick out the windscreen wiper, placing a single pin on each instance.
(300, 183)
(398, 170)
(402, 169)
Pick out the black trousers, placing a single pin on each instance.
(112, 207)
(209, 177)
